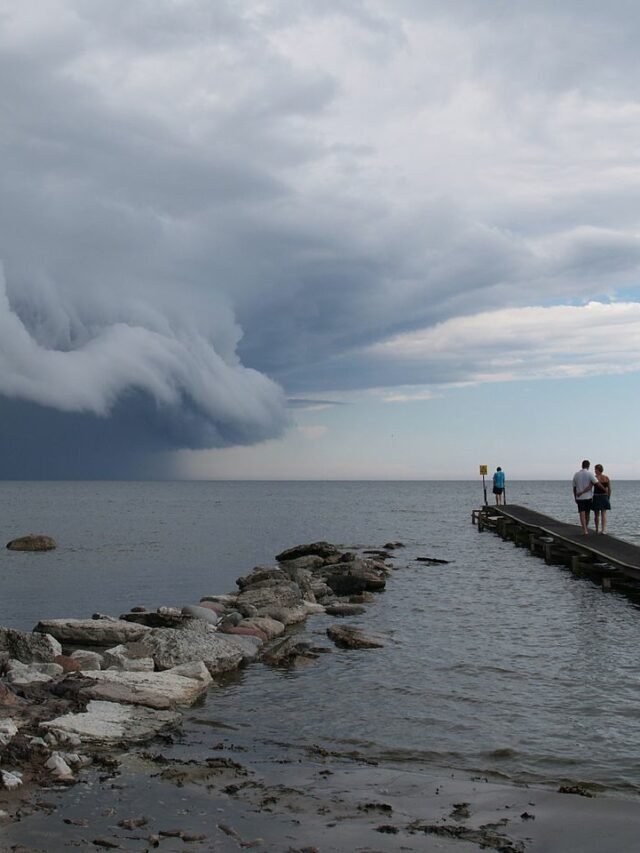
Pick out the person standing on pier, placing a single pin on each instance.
(583, 482)
(498, 485)
(601, 495)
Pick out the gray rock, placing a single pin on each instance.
(159, 690)
(308, 563)
(20, 674)
(121, 657)
(270, 627)
(289, 615)
(88, 660)
(319, 549)
(248, 646)
(91, 632)
(198, 642)
(262, 575)
(109, 723)
(344, 609)
(286, 650)
(195, 612)
(226, 600)
(268, 599)
(28, 647)
(355, 576)
(351, 637)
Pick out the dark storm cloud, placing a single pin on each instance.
(205, 201)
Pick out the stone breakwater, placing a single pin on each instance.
(75, 691)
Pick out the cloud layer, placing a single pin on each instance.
(207, 205)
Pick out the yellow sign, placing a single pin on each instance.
(484, 469)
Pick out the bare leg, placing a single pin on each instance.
(604, 521)
(596, 518)
(584, 521)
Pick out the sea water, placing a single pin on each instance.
(494, 663)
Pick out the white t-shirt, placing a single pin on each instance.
(582, 479)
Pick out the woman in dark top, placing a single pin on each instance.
(601, 495)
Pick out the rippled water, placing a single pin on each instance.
(495, 664)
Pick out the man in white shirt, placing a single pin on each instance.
(583, 481)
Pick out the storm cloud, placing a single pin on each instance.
(207, 207)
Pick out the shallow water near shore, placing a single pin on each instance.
(495, 665)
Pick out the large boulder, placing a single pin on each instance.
(353, 577)
(159, 690)
(265, 598)
(110, 723)
(170, 647)
(318, 549)
(260, 574)
(32, 542)
(28, 647)
(92, 632)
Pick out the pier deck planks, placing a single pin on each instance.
(604, 547)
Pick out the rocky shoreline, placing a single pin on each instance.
(77, 692)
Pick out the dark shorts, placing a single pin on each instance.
(601, 502)
(497, 490)
(584, 506)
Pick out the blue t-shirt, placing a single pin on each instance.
(498, 479)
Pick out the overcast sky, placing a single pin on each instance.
(300, 239)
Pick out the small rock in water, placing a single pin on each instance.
(32, 542)
(350, 637)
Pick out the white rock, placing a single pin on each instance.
(9, 780)
(8, 729)
(58, 766)
(109, 723)
(154, 689)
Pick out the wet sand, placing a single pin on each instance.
(215, 788)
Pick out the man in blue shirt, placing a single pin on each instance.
(498, 485)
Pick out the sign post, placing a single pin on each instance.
(484, 470)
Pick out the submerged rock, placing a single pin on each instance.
(341, 609)
(350, 637)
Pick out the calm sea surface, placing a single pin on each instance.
(495, 664)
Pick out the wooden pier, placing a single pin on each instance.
(604, 558)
